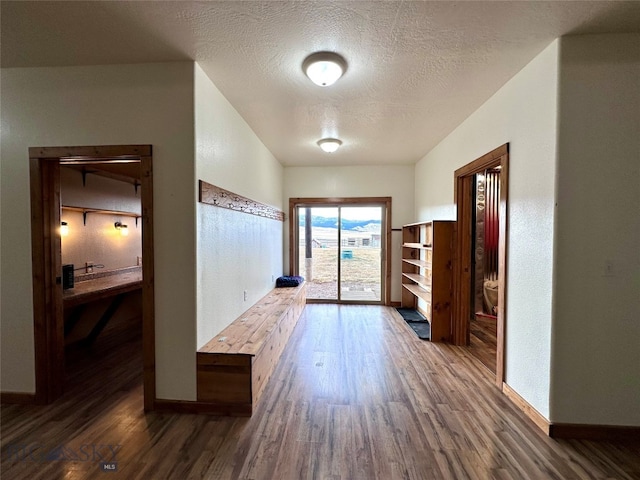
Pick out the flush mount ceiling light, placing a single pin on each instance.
(329, 145)
(324, 68)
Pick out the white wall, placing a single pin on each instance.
(102, 105)
(596, 334)
(358, 181)
(522, 113)
(235, 251)
(95, 238)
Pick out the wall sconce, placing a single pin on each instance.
(123, 229)
(64, 229)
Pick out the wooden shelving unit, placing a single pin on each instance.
(426, 273)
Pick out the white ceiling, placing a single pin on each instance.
(416, 69)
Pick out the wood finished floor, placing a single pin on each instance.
(356, 396)
(483, 345)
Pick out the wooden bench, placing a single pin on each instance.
(234, 367)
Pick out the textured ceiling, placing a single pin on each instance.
(416, 69)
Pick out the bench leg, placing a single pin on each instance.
(74, 318)
(104, 319)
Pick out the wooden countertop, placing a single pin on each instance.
(99, 288)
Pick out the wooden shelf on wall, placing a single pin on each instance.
(85, 211)
(127, 172)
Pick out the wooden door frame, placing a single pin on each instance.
(463, 241)
(343, 202)
(48, 319)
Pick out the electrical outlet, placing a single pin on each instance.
(245, 295)
(88, 266)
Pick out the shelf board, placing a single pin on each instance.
(417, 263)
(418, 224)
(423, 246)
(425, 282)
(100, 210)
(123, 172)
(418, 291)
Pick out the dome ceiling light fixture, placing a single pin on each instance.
(324, 68)
(329, 145)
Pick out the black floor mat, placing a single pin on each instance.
(422, 329)
(411, 315)
(417, 322)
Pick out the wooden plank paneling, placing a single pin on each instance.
(224, 379)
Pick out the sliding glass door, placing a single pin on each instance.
(341, 251)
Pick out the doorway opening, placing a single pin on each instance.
(57, 313)
(340, 247)
(480, 258)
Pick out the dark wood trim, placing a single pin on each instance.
(503, 236)
(40, 286)
(183, 406)
(463, 189)
(17, 398)
(293, 227)
(219, 197)
(387, 252)
(148, 293)
(480, 164)
(47, 288)
(100, 152)
(462, 258)
(340, 202)
(536, 417)
(594, 432)
(46, 257)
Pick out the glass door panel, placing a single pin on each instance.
(361, 254)
(318, 251)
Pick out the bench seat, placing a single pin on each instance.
(234, 367)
